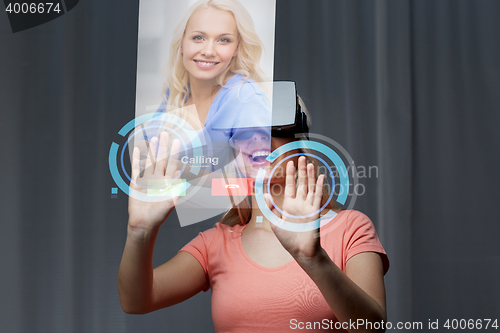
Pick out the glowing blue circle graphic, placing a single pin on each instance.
(164, 117)
(301, 144)
(130, 138)
(305, 216)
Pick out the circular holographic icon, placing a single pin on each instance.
(156, 190)
(271, 176)
(342, 172)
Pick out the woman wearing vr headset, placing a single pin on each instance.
(263, 278)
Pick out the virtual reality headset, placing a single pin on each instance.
(288, 118)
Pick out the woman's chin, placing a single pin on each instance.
(253, 170)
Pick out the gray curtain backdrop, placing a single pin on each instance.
(409, 87)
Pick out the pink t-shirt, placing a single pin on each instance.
(247, 297)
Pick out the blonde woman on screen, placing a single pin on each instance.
(214, 65)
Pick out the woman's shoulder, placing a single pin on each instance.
(240, 86)
(351, 214)
(238, 79)
(345, 221)
(354, 232)
(240, 104)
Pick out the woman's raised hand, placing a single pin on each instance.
(301, 200)
(160, 168)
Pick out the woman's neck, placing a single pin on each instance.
(201, 90)
(258, 215)
(202, 94)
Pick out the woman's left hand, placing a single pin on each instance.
(303, 200)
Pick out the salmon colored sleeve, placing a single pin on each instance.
(199, 248)
(361, 236)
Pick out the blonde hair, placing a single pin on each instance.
(246, 61)
(241, 213)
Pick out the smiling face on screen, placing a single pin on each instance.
(209, 44)
(253, 147)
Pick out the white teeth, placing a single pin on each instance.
(260, 153)
(206, 63)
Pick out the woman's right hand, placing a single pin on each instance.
(160, 168)
(141, 288)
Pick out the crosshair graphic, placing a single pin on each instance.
(339, 165)
(159, 121)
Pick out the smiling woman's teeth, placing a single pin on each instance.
(260, 153)
(259, 156)
(206, 63)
